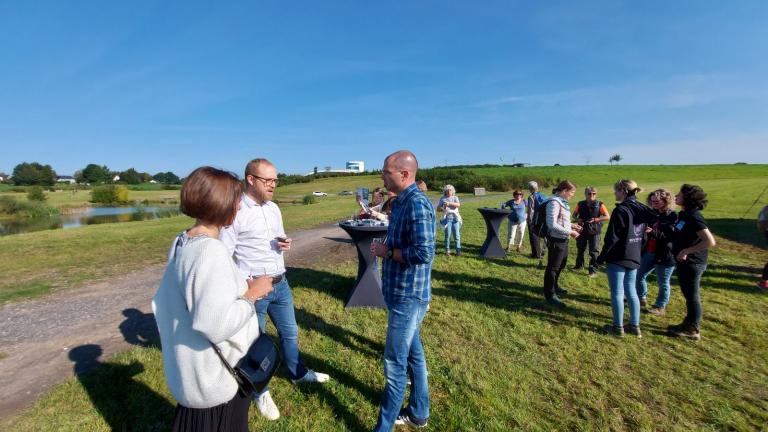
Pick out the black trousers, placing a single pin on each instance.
(536, 249)
(556, 258)
(594, 250)
(689, 276)
(765, 272)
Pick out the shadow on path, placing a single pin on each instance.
(122, 401)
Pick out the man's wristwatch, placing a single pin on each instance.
(389, 253)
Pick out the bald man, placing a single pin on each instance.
(406, 285)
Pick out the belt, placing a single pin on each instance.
(275, 279)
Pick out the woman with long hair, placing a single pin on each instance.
(690, 244)
(202, 300)
(559, 230)
(657, 253)
(622, 252)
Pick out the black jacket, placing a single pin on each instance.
(663, 235)
(624, 237)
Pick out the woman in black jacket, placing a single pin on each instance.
(690, 242)
(657, 251)
(621, 250)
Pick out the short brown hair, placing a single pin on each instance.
(211, 195)
(254, 164)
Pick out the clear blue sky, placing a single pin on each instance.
(173, 85)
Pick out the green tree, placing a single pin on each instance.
(31, 174)
(35, 193)
(615, 158)
(94, 174)
(166, 178)
(130, 176)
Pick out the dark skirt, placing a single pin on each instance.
(230, 416)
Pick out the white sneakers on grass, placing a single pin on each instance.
(267, 406)
(312, 377)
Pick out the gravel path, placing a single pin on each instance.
(37, 336)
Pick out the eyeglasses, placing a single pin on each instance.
(592, 193)
(266, 181)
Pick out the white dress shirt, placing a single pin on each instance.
(251, 239)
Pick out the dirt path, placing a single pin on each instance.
(37, 336)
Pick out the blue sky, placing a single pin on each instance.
(174, 85)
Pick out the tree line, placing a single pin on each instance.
(36, 174)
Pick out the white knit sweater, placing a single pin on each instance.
(198, 302)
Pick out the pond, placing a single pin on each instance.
(93, 215)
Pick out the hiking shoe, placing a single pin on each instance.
(312, 377)
(577, 267)
(643, 302)
(458, 252)
(556, 302)
(267, 406)
(447, 253)
(658, 311)
(592, 274)
(689, 332)
(634, 330)
(614, 330)
(561, 292)
(406, 419)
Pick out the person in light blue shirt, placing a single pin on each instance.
(516, 220)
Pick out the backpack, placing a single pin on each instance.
(539, 222)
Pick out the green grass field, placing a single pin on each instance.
(498, 358)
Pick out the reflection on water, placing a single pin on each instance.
(96, 215)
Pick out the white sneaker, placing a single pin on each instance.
(312, 377)
(267, 406)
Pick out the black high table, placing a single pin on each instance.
(367, 289)
(492, 247)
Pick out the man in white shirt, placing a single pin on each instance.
(256, 239)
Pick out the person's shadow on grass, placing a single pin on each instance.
(123, 402)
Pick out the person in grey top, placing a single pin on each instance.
(534, 199)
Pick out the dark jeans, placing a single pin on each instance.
(556, 259)
(689, 276)
(594, 250)
(536, 249)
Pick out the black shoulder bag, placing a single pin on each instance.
(256, 368)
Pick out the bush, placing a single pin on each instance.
(109, 194)
(12, 207)
(308, 199)
(465, 180)
(35, 193)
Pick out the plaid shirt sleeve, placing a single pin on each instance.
(421, 245)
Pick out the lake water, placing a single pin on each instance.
(94, 215)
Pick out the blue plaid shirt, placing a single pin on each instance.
(412, 230)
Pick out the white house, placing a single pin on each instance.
(66, 179)
(355, 166)
(4, 176)
(116, 178)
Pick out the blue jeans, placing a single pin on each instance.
(279, 305)
(622, 282)
(403, 353)
(663, 277)
(452, 226)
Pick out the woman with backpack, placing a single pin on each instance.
(590, 215)
(558, 231)
(657, 253)
(622, 252)
(690, 242)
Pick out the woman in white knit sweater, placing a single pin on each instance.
(202, 297)
(559, 231)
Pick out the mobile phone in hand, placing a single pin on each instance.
(281, 239)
